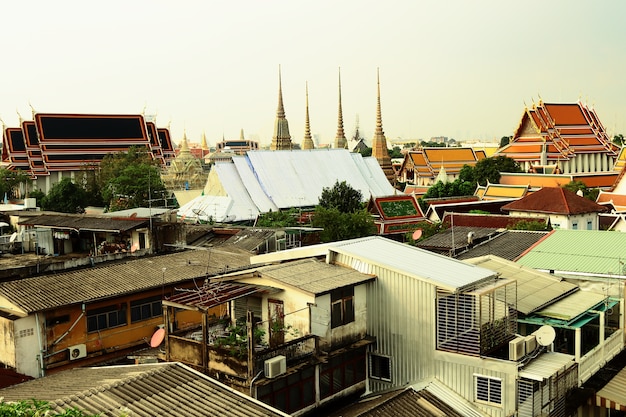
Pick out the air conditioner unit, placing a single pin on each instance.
(275, 366)
(77, 351)
(531, 343)
(517, 348)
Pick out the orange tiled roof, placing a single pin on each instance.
(554, 200)
(500, 191)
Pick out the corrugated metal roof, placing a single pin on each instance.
(572, 306)
(582, 251)
(508, 245)
(446, 273)
(168, 389)
(314, 276)
(81, 222)
(89, 284)
(458, 403)
(614, 392)
(546, 365)
(534, 289)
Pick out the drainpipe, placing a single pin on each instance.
(40, 354)
(252, 382)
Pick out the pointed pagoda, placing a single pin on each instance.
(307, 143)
(340, 139)
(281, 139)
(379, 142)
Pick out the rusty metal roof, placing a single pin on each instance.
(170, 389)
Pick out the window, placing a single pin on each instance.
(575, 226)
(341, 307)
(487, 389)
(341, 372)
(145, 309)
(106, 317)
(380, 367)
(589, 225)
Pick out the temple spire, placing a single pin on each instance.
(204, 145)
(379, 142)
(308, 140)
(340, 138)
(281, 139)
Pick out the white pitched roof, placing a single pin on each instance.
(446, 273)
(262, 181)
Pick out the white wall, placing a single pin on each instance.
(7, 343)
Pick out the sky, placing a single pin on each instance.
(461, 69)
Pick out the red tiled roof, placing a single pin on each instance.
(554, 200)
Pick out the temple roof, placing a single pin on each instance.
(564, 129)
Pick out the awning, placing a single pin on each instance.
(546, 365)
(613, 395)
(572, 306)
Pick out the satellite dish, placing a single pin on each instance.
(417, 234)
(157, 338)
(545, 335)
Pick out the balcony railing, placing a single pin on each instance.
(599, 356)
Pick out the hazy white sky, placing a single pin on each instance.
(462, 69)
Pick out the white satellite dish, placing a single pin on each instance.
(545, 335)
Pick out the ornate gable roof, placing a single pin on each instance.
(554, 200)
(566, 129)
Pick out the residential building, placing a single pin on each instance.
(58, 321)
(561, 207)
(438, 318)
(293, 335)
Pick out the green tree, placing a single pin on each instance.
(287, 218)
(428, 229)
(89, 179)
(342, 197)
(13, 182)
(532, 225)
(577, 185)
(341, 226)
(366, 152)
(36, 408)
(618, 139)
(505, 140)
(130, 179)
(489, 169)
(395, 153)
(65, 197)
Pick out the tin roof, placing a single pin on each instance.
(534, 289)
(579, 251)
(148, 390)
(509, 244)
(313, 276)
(84, 285)
(446, 273)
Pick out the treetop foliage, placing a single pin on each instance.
(342, 197)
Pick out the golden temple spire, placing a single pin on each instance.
(203, 144)
(340, 138)
(281, 139)
(308, 140)
(379, 143)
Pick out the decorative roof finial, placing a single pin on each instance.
(308, 140)
(340, 138)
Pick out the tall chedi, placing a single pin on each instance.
(340, 139)
(379, 143)
(281, 139)
(307, 143)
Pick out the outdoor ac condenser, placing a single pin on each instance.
(275, 366)
(77, 351)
